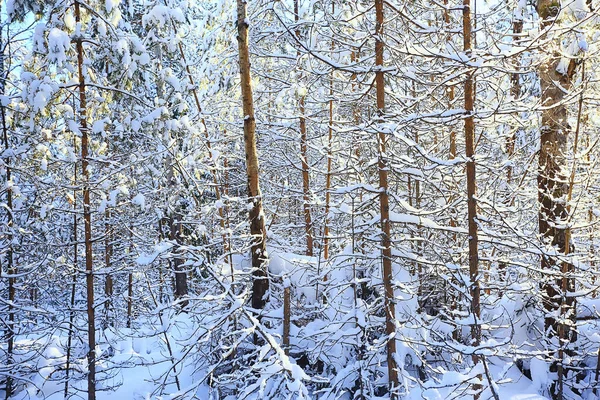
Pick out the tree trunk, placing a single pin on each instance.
(11, 269)
(329, 159)
(108, 283)
(87, 218)
(74, 281)
(308, 226)
(384, 207)
(181, 285)
(260, 284)
(553, 187)
(474, 289)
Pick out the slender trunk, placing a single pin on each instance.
(384, 207)
(87, 218)
(329, 158)
(11, 269)
(474, 289)
(181, 284)
(308, 226)
(453, 297)
(228, 251)
(260, 284)
(73, 282)
(130, 282)
(286, 317)
(515, 91)
(108, 283)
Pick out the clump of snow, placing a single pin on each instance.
(111, 4)
(539, 373)
(139, 200)
(160, 15)
(58, 44)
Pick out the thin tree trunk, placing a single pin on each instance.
(11, 269)
(384, 207)
(130, 282)
(454, 297)
(308, 226)
(181, 284)
(474, 289)
(286, 316)
(515, 91)
(260, 284)
(74, 281)
(87, 218)
(108, 283)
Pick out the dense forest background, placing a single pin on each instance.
(296, 199)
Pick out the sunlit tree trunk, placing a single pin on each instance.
(87, 218)
(474, 289)
(260, 284)
(384, 206)
(553, 186)
(308, 225)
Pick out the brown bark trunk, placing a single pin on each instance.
(553, 187)
(384, 207)
(260, 284)
(11, 269)
(474, 289)
(308, 226)
(329, 158)
(87, 218)
(286, 318)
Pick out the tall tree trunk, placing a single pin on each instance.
(384, 207)
(108, 283)
(308, 225)
(130, 282)
(553, 186)
(87, 218)
(515, 91)
(260, 284)
(474, 289)
(329, 158)
(11, 269)
(74, 281)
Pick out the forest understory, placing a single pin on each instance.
(299, 199)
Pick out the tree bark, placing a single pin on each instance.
(384, 207)
(308, 225)
(74, 281)
(87, 218)
(181, 285)
(108, 283)
(553, 188)
(11, 269)
(260, 284)
(474, 289)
